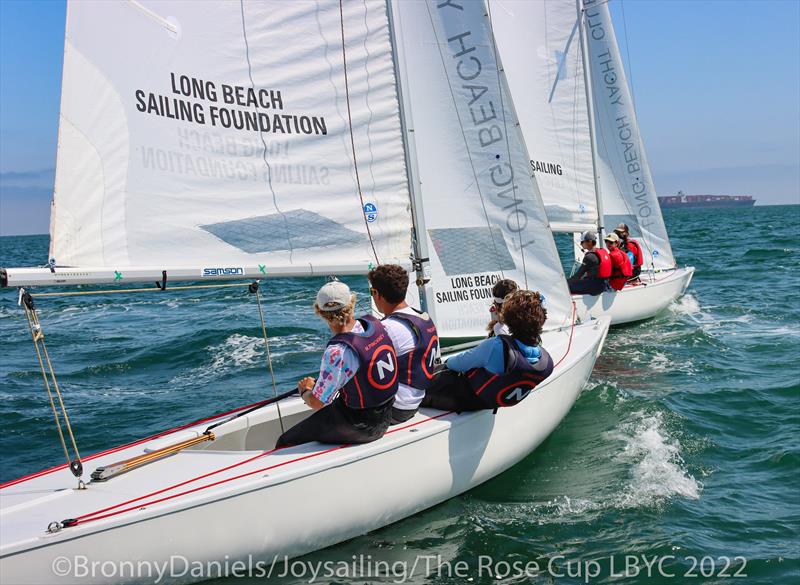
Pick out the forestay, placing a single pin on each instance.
(219, 134)
(626, 184)
(482, 211)
(540, 46)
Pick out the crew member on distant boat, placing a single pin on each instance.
(501, 370)
(360, 365)
(592, 276)
(621, 268)
(632, 248)
(500, 290)
(413, 334)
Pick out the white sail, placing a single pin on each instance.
(219, 134)
(483, 214)
(625, 182)
(540, 46)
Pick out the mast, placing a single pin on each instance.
(587, 83)
(419, 233)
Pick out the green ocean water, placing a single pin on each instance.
(684, 447)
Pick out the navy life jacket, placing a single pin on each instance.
(517, 381)
(416, 366)
(375, 381)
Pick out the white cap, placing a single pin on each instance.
(612, 237)
(333, 296)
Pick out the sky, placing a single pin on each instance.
(716, 85)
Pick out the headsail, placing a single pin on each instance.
(230, 134)
(542, 56)
(482, 210)
(626, 184)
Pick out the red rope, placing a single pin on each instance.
(98, 514)
(571, 331)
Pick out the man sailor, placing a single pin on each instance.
(620, 265)
(353, 395)
(631, 247)
(500, 371)
(592, 276)
(413, 334)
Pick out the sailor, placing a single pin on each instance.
(631, 247)
(620, 265)
(592, 276)
(413, 334)
(500, 290)
(502, 370)
(353, 395)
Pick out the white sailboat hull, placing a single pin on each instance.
(638, 302)
(287, 502)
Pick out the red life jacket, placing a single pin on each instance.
(621, 269)
(375, 381)
(517, 380)
(634, 247)
(604, 270)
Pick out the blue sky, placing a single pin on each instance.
(716, 83)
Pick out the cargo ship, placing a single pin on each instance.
(690, 201)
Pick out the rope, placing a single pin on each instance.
(571, 332)
(41, 353)
(269, 353)
(352, 137)
(134, 290)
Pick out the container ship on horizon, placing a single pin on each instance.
(692, 201)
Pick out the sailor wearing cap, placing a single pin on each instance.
(592, 276)
(630, 247)
(358, 377)
(620, 264)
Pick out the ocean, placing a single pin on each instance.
(680, 461)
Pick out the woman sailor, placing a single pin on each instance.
(502, 370)
(353, 395)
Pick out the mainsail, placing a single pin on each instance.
(626, 184)
(542, 55)
(482, 212)
(542, 44)
(230, 134)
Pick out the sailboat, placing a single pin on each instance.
(565, 72)
(255, 140)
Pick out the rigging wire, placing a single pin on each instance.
(254, 288)
(352, 136)
(134, 290)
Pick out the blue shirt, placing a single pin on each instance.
(488, 354)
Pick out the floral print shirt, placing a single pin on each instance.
(339, 365)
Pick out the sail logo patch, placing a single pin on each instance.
(230, 271)
(370, 212)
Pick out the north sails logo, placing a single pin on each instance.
(231, 271)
